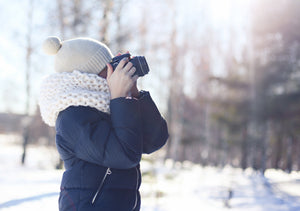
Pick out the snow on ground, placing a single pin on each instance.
(165, 187)
(206, 188)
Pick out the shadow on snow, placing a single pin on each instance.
(27, 199)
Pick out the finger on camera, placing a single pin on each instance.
(121, 64)
(134, 78)
(131, 71)
(127, 67)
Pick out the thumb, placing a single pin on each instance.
(109, 70)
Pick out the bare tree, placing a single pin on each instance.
(175, 101)
(29, 51)
(122, 34)
(61, 17)
(105, 21)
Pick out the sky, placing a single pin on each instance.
(14, 19)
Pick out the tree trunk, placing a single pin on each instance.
(278, 153)
(289, 154)
(25, 143)
(61, 17)
(266, 134)
(77, 12)
(121, 34)
(244, 149)
(175, 101)
(27, 78)
(298, 154)
(104, 23)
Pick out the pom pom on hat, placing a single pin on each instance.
(82, 54)
(51, 45)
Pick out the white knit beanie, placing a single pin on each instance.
(82, 54)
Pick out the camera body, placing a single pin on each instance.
(139, 62)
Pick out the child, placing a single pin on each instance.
(101, 132)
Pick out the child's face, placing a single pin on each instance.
(103, 73)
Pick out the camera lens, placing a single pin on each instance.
(141, 65)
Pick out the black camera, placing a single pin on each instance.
(139, 62)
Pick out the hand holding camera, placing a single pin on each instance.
(139, 62)
(123, 72)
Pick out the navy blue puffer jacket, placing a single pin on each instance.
(102, 152)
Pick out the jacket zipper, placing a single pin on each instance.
(137, 183)
(108, 172)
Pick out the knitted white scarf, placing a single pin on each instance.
(61, 90)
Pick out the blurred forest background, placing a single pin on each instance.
(225, 74)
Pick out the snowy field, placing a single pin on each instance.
(181, 187)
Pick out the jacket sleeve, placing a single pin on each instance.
(155, 130)
(114, 141)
